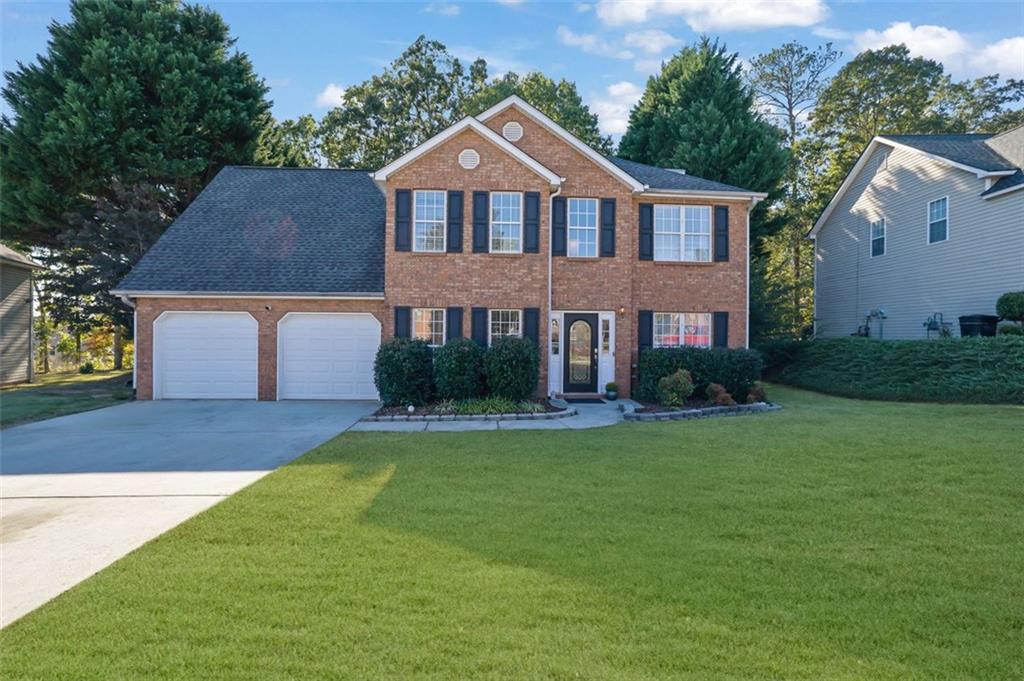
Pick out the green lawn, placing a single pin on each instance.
(835, 539)
(59, 394)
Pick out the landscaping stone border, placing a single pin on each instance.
(703, 413)
(522, 416)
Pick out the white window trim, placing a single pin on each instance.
(682, 231)
(490, 222)
(444, 220)
(597, 227)
(490, 320)
(928, 222)
(872, 237)
(682, 328)
(444, 323)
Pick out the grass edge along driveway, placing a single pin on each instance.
(836, 539)
(60, 394)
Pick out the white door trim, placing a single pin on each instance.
(605, 362)
(277, 337)
(157, 371)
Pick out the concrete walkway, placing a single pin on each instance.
(589, 416)
(78, 492)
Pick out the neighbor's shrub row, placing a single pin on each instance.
(984, 370)
(737, 370)
(408, 371)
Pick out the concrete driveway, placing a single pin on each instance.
(80, 491)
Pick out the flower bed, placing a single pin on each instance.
(490, 409)
(659, 413)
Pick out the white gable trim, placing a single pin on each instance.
(482, 130)
(874, 144)
(565, 135)
(1014, 188)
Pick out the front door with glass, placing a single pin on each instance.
(580, 359)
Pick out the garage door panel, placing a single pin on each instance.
(205, 355)
(327, 356)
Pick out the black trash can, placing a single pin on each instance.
(978, 325)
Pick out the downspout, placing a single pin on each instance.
(551, 234)
(753, 202)
(135, 339)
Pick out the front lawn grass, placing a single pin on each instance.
(60, 394)
(836, 539)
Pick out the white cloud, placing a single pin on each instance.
(498, 63)
(613, 106)
(647, 66)
(956, 51)
(583, 7)
(331, 96)
(831, 33)
(716, 15)
(447, 9)
(510, 3)
(651, 41)
(591, 44)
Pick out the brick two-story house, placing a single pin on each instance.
(281, 283)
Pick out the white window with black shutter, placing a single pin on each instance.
(682, 233)
(675, 329)
(428, 324)
(506, 222)
(429, 221)
(582, 228)
(505, 324)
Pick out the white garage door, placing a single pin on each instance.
(211, 355)
(327, 356)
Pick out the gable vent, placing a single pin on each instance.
(469, 159)
(512, 131)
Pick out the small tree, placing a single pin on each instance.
(1010, 306)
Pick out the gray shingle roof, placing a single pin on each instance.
(1015, 180)
(968, 150)
(272, 230)
(662, 178)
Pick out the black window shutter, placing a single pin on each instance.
(478, 324)
(720, 330)
(647, 231)
(531, 324)
(481, 222)
(558, 225)
(403, 220)
(403, 322)
(721, 233)
(453, 323)
(607, 228)
(454, 222)
(531, 223)
(646, 326)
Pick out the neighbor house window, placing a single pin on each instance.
(682, 233)
(938, 220)
(505, 323)
(428, 325)
(878, 237)
(506, 222)
(673, 329)
(583, 228)
(428, 216)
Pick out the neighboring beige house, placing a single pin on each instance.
(15, 316)
(923, 225)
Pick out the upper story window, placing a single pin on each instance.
(582, 228)
(682, 233)
(878, 237)
(428, 218)
(672, 329)
(505, 323)
(938, 220)
(506, 222)
(428, 325)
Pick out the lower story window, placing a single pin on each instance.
(428, 325)
(672, 329)
(506, 323)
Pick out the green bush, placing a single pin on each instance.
(512, 366)
(459, 369)
(737, 370)
(404, 372)
(1011, 329)
(675, 388)
(1011, 306)
(87, 368)
(984, 370)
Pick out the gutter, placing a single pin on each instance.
(122, 293)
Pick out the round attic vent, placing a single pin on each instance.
(469, 159)
(512, 131)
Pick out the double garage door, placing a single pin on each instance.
(215, 355)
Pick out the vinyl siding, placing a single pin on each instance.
(982, 258)
(15, 324)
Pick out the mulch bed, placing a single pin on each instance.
(436, 410)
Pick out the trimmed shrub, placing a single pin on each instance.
(512, 367)
(1011, 329)
(983, 370)
(459, 369)
(719, 395)
(756, 394)
(404, 372)
(675, 388)
(737, 370)
(1011, 306)
(87, 368)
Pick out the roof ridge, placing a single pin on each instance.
(249, 166)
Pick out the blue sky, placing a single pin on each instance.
(309, 52)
